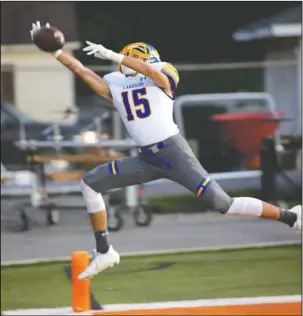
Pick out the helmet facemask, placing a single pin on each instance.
(140, 51)
(126, 70)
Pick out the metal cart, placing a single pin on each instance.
(40, 192)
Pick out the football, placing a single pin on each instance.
(49, 39)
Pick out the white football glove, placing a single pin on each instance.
(35, 27)
(99, 51)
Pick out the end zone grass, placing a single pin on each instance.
(220, 274)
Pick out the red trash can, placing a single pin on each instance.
(246, 131)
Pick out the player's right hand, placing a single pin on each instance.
(97, 50)
(35, 27)
(100, 51)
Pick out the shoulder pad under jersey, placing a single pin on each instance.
(169, 70)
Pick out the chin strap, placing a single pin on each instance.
(126, 69)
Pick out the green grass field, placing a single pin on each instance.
(178, 203)
(236, 273)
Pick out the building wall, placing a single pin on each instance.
(283, 83)
(42, 86)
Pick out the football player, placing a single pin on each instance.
(142, 90)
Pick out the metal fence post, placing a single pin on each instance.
(269, 169)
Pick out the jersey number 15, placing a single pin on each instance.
(139, 106)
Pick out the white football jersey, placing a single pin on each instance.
(145, 109)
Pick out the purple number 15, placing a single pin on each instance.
(139, 107)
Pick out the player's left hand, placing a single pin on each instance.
(36, 27)
(97, 50)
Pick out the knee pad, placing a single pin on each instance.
(93, 200)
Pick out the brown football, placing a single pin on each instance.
(49, 39)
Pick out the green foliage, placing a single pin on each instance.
(191, 204)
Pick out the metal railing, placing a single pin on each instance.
(199, 78)
(195, 78)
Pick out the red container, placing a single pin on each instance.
(246, 131)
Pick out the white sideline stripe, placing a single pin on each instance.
(44, 311)
(157, 305)
(206, 302)
(158, 252)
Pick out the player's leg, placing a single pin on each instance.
(116, 174)
(187, 170)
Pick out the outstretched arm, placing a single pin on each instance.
(147, 70)
(95, 82)
(160, 78)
